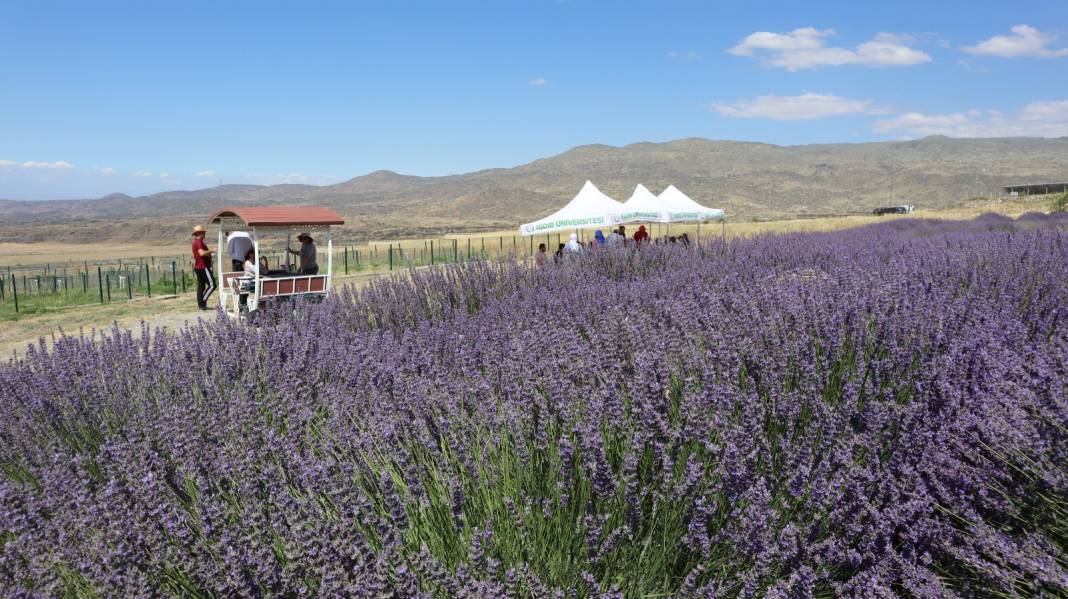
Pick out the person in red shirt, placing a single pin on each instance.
(202, 267)
(641, 235)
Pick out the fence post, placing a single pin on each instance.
(174, 276)
(129, 285)
(468, 248)
(502, 245)
(357, 259)
(432, 252)
(107, 277)
(148, 279)
(346, 259)
(391, 256)
(183, 280)
(515, 247)
(1, 290)
(455, 255)
(15, 293)
(100, 282)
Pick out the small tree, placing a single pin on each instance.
(1059, 203)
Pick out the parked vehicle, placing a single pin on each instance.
(903, 209)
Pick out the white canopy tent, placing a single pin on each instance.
(643, 207)
(680, 208)
(588, 209)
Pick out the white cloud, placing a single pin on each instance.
(105, 170)
(141, 174)
(164, 175)
(208, 173)
(59, 164)
(804, 49)
(1037, 119)
(1024, 41)
(789, 108)
(539, 82)
(805, 38)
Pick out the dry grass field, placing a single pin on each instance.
(1008, 207)
(13, 254)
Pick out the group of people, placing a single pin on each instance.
(242, 255)
(618, 236)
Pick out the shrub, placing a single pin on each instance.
(1059, 203)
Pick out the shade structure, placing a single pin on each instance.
(279, 216)
(588, 209)
(681, 209)
(642, 207)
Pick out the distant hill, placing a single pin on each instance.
(748, 180)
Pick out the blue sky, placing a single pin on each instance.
(141, 97)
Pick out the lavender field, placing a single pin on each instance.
(878, 412)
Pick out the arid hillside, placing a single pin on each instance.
(748, 180)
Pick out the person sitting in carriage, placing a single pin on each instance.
(247, 282)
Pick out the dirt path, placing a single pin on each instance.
(171, 312)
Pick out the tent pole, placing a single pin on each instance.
(329, 260)
(257, 286)
(219, 262)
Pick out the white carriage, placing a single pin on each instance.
(285, 282)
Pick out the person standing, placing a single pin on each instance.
(238, 244)
(641, 236)
(202, 267)
(573, 245)
(542, 256)
(308, 263)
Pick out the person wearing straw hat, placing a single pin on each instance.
(308, 265)
(202, 267)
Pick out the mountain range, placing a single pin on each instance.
(748, 180)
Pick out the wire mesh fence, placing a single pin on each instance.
(37, 288)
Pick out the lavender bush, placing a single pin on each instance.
(875, 412)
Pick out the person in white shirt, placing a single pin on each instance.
(250, 271)
(250, 265)
(573, 245)
(238, 243)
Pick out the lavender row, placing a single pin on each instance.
(875, 412)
